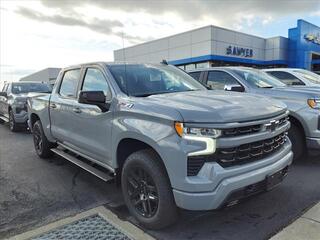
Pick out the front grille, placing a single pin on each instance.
(249, 152)
(242, 154)
(232, 132)
(239, 131)
(195, 164)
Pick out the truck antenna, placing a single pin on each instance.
(125, 67)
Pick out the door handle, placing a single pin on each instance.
(77, 110)
(53, 105)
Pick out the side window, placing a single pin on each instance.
(4, 89)
(286, 78)
(68, 87)
(218, 80)
(94, 80)
(195, 75)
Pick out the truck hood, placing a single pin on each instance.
(219, 106)
(303, 92)
(25, 96)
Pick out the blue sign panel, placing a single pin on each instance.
(304, 40)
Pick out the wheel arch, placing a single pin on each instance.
(297, 122)
(129, 145)
(33, 118)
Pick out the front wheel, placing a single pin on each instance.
(41, 143)
(147, 191)
(12, 123)
(298, 141)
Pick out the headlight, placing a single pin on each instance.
(199, 132)
(314, 103)
(206, 135)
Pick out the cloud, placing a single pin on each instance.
(191, 9)
(98, 25)
(104, 26)
(267, 20)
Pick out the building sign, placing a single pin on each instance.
(310, 37)
(240, 51)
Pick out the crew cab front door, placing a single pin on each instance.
(92, 125)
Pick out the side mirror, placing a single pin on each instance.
(3, 94)
(234, 88)
(94, 98)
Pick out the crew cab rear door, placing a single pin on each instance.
(62, 104)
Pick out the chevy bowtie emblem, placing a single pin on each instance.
(272, 126)
(315, 38)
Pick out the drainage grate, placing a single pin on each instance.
(93, 227)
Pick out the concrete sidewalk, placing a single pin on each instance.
(306, 227)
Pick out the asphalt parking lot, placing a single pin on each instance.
(34, 192)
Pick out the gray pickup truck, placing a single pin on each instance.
(295, 76)
(167, 140)
(13, 102)
(302, 101)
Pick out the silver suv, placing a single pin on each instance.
(13, 102)
(303, 102)
(161, 134)
(295, 76)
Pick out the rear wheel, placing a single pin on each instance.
(147, 190)
(41, 143)
(298, 141)
(12, 123)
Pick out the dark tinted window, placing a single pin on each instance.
(218, 80)
(147, 79)
(68, 87)
(195, 75)
(5, 87)
(95, 81)
(18, 88)
(286, 78)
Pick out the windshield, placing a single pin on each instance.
(18, 88)
(142, 80)
(259, 79)
(312, 77)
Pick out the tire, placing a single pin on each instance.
(14, 127)
(298, 141)
(41, 143)
(145, 182)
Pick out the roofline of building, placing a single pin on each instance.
(192, 30)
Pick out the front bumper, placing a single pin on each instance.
(21, 117)
(231, 182)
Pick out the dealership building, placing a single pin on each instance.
(47, 75)
(216, 46)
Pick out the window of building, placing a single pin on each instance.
(218, 80)
(95, 81)
(286, 78)
(68, 87)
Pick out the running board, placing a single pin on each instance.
(102, 175)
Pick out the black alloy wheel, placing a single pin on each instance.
(142, 192)
(37, 139)
(12, 124)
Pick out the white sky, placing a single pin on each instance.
(40, 34)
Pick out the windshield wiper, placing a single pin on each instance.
(150, 93)
(164, 92)
(267, 87)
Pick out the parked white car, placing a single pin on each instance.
(295, 76)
